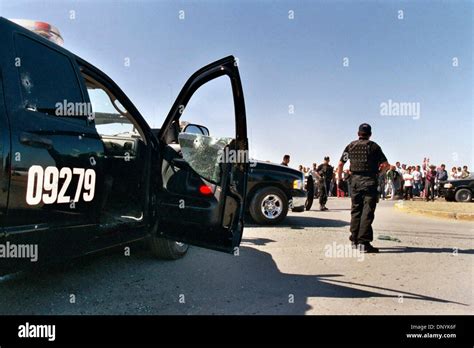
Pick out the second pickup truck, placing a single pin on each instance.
(272, 190)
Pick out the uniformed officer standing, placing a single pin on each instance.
(366, 159)
(325, 172)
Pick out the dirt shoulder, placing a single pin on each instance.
(442, 209)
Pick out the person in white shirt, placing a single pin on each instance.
(417, 181)
(403, 170)
(458, 174)
(452, 175)
(408, 184)
(313, 172)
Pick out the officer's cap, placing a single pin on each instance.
(365, 128)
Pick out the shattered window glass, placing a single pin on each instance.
(203, 153)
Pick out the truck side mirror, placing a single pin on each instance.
(196, 129)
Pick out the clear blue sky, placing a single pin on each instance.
(295, 62)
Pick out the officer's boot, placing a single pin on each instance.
(366, 247)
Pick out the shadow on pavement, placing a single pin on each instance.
(424, 250)
(215, 283)
(303, 221)
(257, 241)
(331, 209)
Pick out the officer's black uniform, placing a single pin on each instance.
(365, 158)
(310, 189)
(325, 172)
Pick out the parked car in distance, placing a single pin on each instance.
(459, 190)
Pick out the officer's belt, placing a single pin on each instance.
(365, 173)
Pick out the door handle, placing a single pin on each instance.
(34, 140)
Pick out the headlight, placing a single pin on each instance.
(298, 184)
(448, 185)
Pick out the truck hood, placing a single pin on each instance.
(267, 166)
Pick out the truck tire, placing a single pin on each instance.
(310, 189)
(463, 195)
(269, 206)
(167, 249)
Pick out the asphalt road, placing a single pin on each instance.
(286, 269)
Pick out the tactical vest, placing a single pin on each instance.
(359, 156)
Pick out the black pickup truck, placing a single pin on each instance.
(272, 190)
(74, 182)
(459, 190)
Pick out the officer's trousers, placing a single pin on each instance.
(364, 196)
(323, 187)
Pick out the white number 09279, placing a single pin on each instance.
(43, 185)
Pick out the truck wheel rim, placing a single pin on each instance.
(181, 247)
(272, 206)
(463, 195)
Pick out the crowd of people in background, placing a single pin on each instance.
(401, 181)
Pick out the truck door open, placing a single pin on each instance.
(202, 194)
